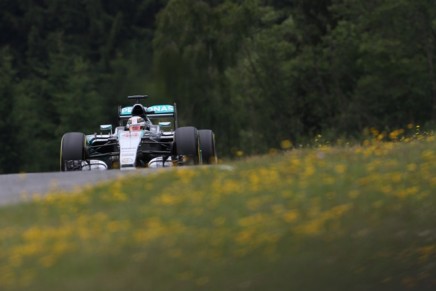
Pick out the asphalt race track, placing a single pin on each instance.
(14, 188)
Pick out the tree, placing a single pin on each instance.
(195, 43)
(8, 158)
(392, 44)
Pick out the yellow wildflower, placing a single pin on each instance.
(291, 216)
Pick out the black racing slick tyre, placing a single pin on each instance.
(72, 148)
(188, 144)
(207, 146)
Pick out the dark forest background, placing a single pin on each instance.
(256, 72)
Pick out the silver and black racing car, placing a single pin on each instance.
(145, 137)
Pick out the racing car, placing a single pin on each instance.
(145, 137)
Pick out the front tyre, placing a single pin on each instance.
(188, 144)
(207, 146)
(72, 149)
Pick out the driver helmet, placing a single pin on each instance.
(135, 123)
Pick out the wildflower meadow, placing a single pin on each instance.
(349, 217)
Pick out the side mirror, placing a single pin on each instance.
(165, 124)
(106, 128)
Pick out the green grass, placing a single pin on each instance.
(329, 218)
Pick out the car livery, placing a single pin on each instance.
(162, 143)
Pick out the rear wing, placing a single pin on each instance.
(152, 112)
(137, 97)
(161, 111)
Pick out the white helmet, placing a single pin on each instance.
(135, 123)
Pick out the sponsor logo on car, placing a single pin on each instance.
(126, 110)
(161, 109)
(127, 161)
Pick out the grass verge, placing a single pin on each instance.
(331, 218)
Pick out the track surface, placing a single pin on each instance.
(14, 187)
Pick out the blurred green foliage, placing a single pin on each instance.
(327, 218)
(257, 72)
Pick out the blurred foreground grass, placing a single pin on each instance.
(330, 218)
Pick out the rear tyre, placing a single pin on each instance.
(72, 148)
(207, 146)
(188, 144)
